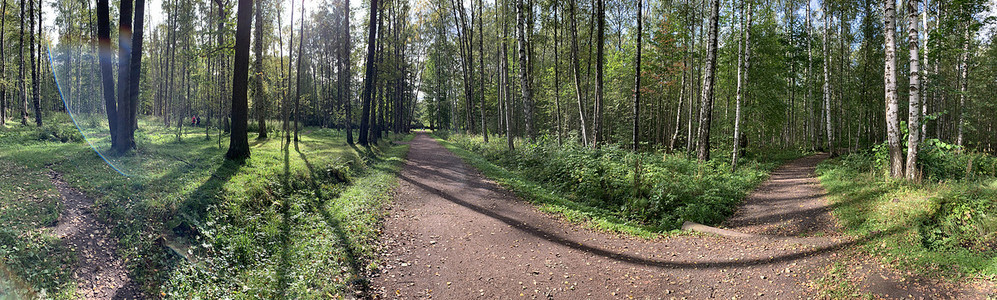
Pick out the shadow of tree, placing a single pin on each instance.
(284, 263)
(193, 211)
(631, 259)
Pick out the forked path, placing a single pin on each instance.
(452, 234)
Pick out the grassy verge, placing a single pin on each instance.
(945, 227)
(598, 187)
(300, 222)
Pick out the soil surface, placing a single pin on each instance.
(452, 234)
(99, 273)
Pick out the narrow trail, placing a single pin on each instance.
(99, 273)
(452, 234)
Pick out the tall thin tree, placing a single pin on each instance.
(106, 66)
(744, 62)
(526, 84)
(599, 58)
(368, 74)
(706, 109)
(890, 80)
(576, 71)
(259, 98)
(637, 65)
(914, 109)
(239, 140)
(35, 97)
(828, 128)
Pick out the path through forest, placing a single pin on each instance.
(99, 273)
(453, 234)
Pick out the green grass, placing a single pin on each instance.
(597, 187)
(300, 223)
(943, 228)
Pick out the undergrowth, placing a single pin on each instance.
(945, 225)
(300, 223)
(639, 193)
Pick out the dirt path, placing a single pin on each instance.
(452, 234)
(99, 273)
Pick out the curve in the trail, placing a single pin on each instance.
(452, 234)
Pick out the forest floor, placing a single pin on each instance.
(451, 233)
(99, 273)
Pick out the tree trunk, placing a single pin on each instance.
(524, 72)
(369, 74)
(914, 117)
(297, 76)
(135, 74)
(3, 65)
(640, 33)
(742, 82)
(706, 110)
(481, 67)
(924, 77)
(505, 77)
(239, 144)
(964, 69)
(808, 84)
(575, 66)
(344, 70)
(259, 98)
(34, 67)
(124, 59)
(557, 78)
(892, 123)
(106, 67)
(829, 129)
(599, 60)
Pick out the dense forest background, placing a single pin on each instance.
(807, 74)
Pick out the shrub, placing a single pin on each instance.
(651, 189)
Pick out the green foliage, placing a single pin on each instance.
(309, 215)
(946, 224)
(651, 190)
(965, 217)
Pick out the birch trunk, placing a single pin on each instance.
(742, 80)
(706, 110)
(890, 74)
(914, 117)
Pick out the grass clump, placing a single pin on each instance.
(945, 226)
(613, 188)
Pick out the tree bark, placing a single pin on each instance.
(35, 99)
(892, 123)
(135, 74)
(640, 33)
(505, 77)
(344, 70)
(706, 110)
(3, 65)
(297, 76)
(914, 117)
(368, 74)
(742, 82)
(259, 98)
(599, 61)
(829, 129)
(106, 67)
(963, 87)
(525, 82)
(239, 143)
(481, 67)
(575, 66)
(557, 78)
(124, 59)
